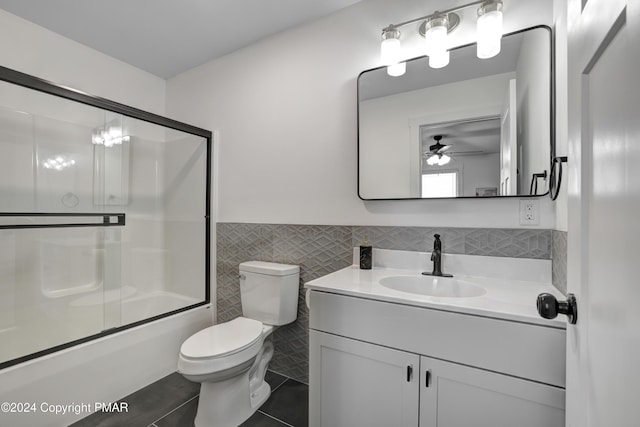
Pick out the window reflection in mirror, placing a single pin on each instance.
(488, 122)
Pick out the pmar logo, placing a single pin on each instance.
(112, 407)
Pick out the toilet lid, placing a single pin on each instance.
(222, 339)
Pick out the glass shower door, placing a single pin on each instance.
(59, 253)
(104, 217)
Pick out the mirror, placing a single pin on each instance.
(475, 128)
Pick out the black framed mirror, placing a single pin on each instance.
(475, 128)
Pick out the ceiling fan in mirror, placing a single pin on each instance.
(436, 153)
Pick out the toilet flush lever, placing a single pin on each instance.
(242, 276)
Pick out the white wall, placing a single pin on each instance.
(37, 51)
(562, 131)
(285, 109)
(390, 127)
(138, 356)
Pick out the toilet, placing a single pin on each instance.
(230, 359)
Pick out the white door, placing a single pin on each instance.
(357, 384)
(508, 145)
(603, 348)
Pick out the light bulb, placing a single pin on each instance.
(397, 70)
(489, 30)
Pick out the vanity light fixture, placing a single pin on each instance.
(435, 29)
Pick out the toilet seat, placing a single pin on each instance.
(220, 347)
(222, 339)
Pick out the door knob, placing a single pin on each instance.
(549, 307)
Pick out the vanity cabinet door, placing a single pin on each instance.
(453, 395)
(353, 383)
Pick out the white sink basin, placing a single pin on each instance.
(433, 286)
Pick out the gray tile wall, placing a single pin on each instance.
(559, 260)
(322, 249)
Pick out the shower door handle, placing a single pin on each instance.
(101, 220)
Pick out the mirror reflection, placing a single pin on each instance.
(476, 128)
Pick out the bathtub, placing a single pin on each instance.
(144, 306)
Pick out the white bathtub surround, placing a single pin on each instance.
(96, 371)
(511, 284)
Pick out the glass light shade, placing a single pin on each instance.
(433, 160)
(397, 70)
(390, 51)
(435, 39)
(444, 159)
(439, 60)
(489, 33)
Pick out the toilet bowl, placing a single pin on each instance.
(230, 359)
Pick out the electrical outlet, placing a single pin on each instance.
(529, 212)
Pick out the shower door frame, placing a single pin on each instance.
(41, 85)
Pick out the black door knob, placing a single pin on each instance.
(549, 307)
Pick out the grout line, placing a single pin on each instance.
(287, 377)
(277, 419)
(175, 409)
(279, 385)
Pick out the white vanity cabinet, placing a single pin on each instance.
(376, 363)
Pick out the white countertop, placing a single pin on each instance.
(505, 298)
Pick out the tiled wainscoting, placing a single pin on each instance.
(322, 249)
(559, 260)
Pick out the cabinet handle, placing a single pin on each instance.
(409, 372)
(427, 377)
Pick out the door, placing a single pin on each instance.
(453, 395)
(508, 145)
(603, 348)
(354, 383)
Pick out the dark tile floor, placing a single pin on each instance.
(172, 402)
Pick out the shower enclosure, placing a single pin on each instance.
(104, 217)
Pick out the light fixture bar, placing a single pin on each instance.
(435, 29)
(436, 13)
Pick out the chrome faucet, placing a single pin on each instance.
(436, 257)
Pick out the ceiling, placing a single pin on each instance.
(167, 37)
(472, 138)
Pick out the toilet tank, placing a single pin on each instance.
(269, 291)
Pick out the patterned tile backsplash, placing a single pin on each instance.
(322, 249)
(559, 260)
